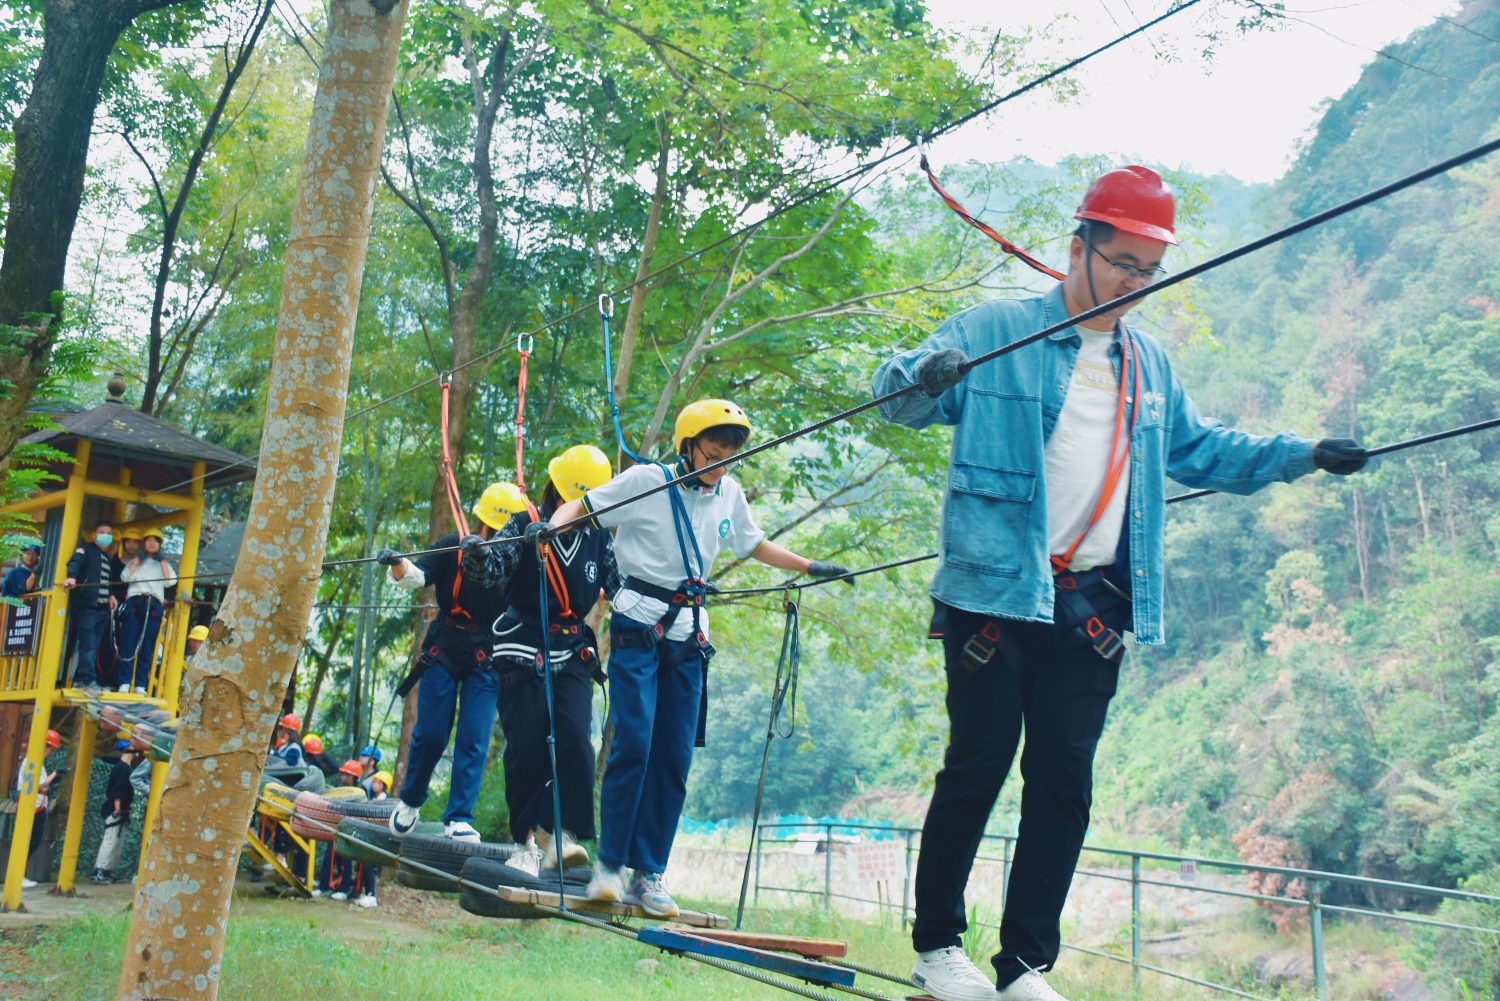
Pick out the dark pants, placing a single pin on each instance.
(1046, 680)
(365, 879)
(439, 696)
(528, 768)
(91, 625)
(333, 871)
(140, 623)
(655, 713)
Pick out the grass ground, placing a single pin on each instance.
(419, 945)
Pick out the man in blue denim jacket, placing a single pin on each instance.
(1052, 545)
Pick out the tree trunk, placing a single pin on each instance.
(637, 309)
(235, 685)
(46, 189)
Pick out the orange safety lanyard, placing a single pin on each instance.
(450, 484)
(1119, 446)
(985, 228)
(524, 344)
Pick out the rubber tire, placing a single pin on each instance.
(345, 792)
(283, 800)
(442, 853)
(494, 874)
(364, 809)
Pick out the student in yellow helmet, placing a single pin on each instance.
(666, 544)
(581, 567)
(458, 644)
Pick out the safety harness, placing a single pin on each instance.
(1074, 593)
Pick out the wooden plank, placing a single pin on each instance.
(812, 948)
(773, 962)
(549, 898)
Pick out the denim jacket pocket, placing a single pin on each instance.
(987, 522)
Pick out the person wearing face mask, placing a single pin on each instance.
(90, 604)
(147, 576)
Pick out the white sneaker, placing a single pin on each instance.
(27, 884)
(608, 883)
(140, 689)
(459, 830)
(1030, 987)
(366, 900)
(573, 854)
(338, 895)
(315, 893)
(124, 688)
(949, 975)
(526, 858)
(404, 819)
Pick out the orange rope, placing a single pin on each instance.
(985, 228)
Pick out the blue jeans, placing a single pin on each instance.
(437, 697)
(91, 625)
(140, 623)
(655, 715)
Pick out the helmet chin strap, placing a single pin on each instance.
(696, 482)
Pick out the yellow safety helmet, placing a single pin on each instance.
(498, 502)
(385, 777)
(130, 532)
(199, 633)
(579, 470)
(699, 416)
(153, 533)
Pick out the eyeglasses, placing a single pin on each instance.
(709, 458)
(1146, 275)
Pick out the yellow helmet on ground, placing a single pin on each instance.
(199, 633)
(130, 532)
(385, 777)
(498, 502)
(579, 470)
(699, 416)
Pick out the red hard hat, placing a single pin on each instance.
(313, 744)
(292, 722)
(1134, 199)
(54, 739)
(351, 767)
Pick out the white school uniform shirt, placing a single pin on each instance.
(646, 541)
(149, 577)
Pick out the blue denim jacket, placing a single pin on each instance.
(994, 557)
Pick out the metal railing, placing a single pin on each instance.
(1316, 882)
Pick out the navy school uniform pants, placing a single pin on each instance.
(90, 637)
(528, 768)
(655, 716)
(140, 624)
(1050, 682)
(440, 696)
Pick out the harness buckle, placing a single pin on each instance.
(1109, 644)
(979, 650)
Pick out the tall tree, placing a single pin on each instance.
(236, 685)
(46, 189)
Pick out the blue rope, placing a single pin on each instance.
(606, 311)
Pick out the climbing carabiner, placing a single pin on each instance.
(606, 306)
(525, 342)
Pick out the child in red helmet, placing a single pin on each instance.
(39, 823)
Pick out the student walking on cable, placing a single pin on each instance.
(1053, 547)
(454, 675)
(666, 544)
(579, 567)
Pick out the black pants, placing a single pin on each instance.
(528, 769)
(1046, 680)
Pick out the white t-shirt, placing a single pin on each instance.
(150, 577)
(646, 541)
(1077, 458)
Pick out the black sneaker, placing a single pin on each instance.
(100, 876)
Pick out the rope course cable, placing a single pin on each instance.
(571, 915)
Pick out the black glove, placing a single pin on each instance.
(1340, 456)
(709, 587)
(940, 371)
(823, 568)
(538, 532)
(388, 557)
(472, 549)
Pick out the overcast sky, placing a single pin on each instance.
(1242, 113)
